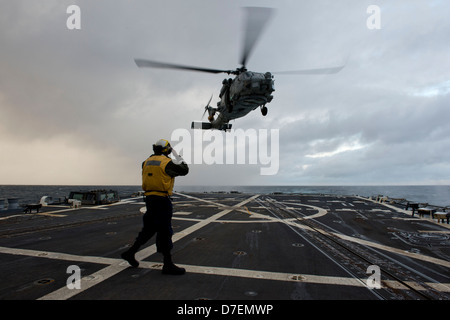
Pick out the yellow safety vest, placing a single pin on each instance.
(155, 180)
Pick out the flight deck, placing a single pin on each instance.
(234, 246)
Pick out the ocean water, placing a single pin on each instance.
(433, 195)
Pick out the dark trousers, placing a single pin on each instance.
(157, 219)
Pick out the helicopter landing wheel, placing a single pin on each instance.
(264, 110)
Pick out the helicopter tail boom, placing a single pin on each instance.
(201, 125)
(208, 126)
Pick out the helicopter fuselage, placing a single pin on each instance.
(239, 96)
(248, 90)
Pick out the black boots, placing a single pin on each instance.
(129, 256)
(170, 268)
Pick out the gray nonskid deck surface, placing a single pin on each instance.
(234, 247)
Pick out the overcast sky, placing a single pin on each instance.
(75, 109)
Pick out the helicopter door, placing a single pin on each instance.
(225, 94)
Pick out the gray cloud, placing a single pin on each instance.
(77, 100)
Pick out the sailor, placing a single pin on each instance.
(158, 177)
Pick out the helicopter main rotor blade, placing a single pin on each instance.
(154, 64)
(313, 71)
(256, 19)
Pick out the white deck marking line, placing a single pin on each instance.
(117, 265)
(177, 236)
(101, 275)
(56, 213)
(251, 221)
(321, 211)
(406, 212)
(50, 214)
(384, 247)
(13, 216)
(236, 207)
(203, 200)
(306, 278)
(187, 219)
(57, 255)
(376, 245)
(182, 213)
(395, 250)
(434, 231)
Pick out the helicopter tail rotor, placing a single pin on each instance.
(207, 107)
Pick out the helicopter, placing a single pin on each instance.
(248, 90)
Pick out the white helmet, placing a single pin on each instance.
(162, 146)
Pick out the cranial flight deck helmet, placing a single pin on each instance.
(162, 146)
